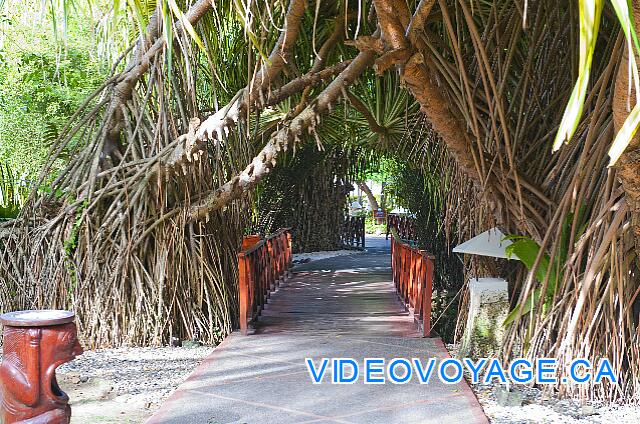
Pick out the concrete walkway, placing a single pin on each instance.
(337, 307)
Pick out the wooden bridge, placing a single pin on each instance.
(343, 307)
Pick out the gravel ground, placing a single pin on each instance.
(125, 385)
(540, 407)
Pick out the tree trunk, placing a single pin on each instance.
(372, 199)
(628, 166)
(410, 60)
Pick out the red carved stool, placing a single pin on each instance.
(35, 344)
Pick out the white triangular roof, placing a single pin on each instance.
(489, 243)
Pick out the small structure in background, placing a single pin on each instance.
(489, 299)
(379, 216)
(35, 344)
(356, 208)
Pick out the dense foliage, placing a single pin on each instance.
(43, 81)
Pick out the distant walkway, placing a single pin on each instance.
(337, 307)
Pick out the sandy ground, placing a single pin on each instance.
(125, 385)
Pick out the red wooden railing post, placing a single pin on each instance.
(412, 273)
(262, 266)
(278, 258)
(419, 283)
(407, 262)
(426, 300)
(243, 291)
(264, 274)
(411, 278)
(270, 271)
(401, 254)
(393, 262)
(289, 250)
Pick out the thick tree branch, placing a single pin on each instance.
(281, 51)
(436, 107)
(336, 36)
(628, 166)
(367, 43)
(126, 81)
(418, 20)
(280, 140)
(393, 18)
(191, 146)
(217, 124)
(304, 82)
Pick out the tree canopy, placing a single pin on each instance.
(151, 181)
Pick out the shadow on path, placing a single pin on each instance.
(337, 307)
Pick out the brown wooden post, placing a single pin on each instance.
(400, 264)
(416, 279)
(405, 289)
(394, 258)
(283, 255)
(278, 257)
(403, 255)
(35, 344)
(393, 262)
(263, 274)
(416, 274)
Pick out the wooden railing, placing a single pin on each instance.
(412, 271)
(403, 224)
(353, 231)
(262, 267)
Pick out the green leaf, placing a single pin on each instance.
(522, 309)
(138, 12)
(241, 13)
(625, 135)
(590, 13)
(187, 25)
(167, 27)
(526, 249)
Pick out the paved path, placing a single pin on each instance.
(337, 307)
